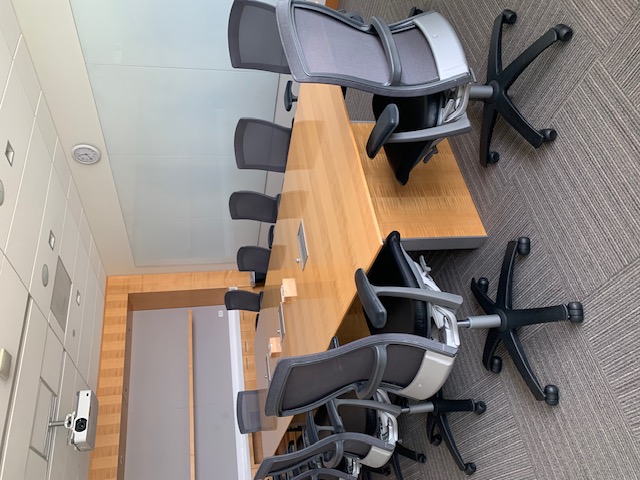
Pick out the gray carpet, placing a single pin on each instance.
(579, 201)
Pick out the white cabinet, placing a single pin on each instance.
(23, 64)
(69, 243)
(40, 429)
(46, 126)
(36, 467)
(60, 450)
(13, 299)
(5, 63)
(16, 120)
(88, 321)
(85, 231)
(48, 245)
(25, 227)
(23, 407)
(76, 305)
(62, 167)
(9, 25)
(52, 361)
(96, 343)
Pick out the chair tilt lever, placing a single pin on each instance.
(507, 332)
(494, 92)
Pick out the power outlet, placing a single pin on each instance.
(220, 313)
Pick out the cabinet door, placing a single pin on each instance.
(13, 298)
(27, 220)
(23, 406)
(76, 305)
(16, 120)
(5, 63)
(59, 449)
(44, 269)
(88, 322)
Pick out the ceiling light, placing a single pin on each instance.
(85, 154)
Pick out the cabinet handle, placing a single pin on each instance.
(246, 363)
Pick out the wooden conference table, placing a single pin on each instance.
(347, 205)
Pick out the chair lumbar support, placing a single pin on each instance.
(511, 319)
(494, 92)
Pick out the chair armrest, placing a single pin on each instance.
(461, 125)
(444, 299)
(390, 50)
(370, 302)
(386, 124)
(389, 408)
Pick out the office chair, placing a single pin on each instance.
(255, 260)
(511, 320)
(494, 92)
(420, 56)
(398, 296)
(324, 458)
(331, 418)
(254, 41)
(243, 300)
(404, 365)
(256, 206)
(261, 145)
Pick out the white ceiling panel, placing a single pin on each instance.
(168, 111)
(176, 208)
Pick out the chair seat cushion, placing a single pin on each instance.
(391, 269)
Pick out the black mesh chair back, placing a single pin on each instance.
(387, 361)
(248, 411)
(417, 56)
(242, 300)
(256, 206)
(261, 145)
(328, 453)
(253, 259)
(254, 40)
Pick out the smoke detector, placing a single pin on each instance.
(86, 154)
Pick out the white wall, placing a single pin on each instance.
(41, 199)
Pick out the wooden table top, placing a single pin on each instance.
(348, 204)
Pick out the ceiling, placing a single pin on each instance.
(151, 85)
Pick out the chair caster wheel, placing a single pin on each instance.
(422, 458)
(509, 16)
(493, 157)
(552, 395)
(386, 471)
(548, 134)
(414, 11)
(436, 440)
(524, 245)
(564, 32)
(576, 313)
(479, 407)
(470, 468)
(496, 364)
(483, 284)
